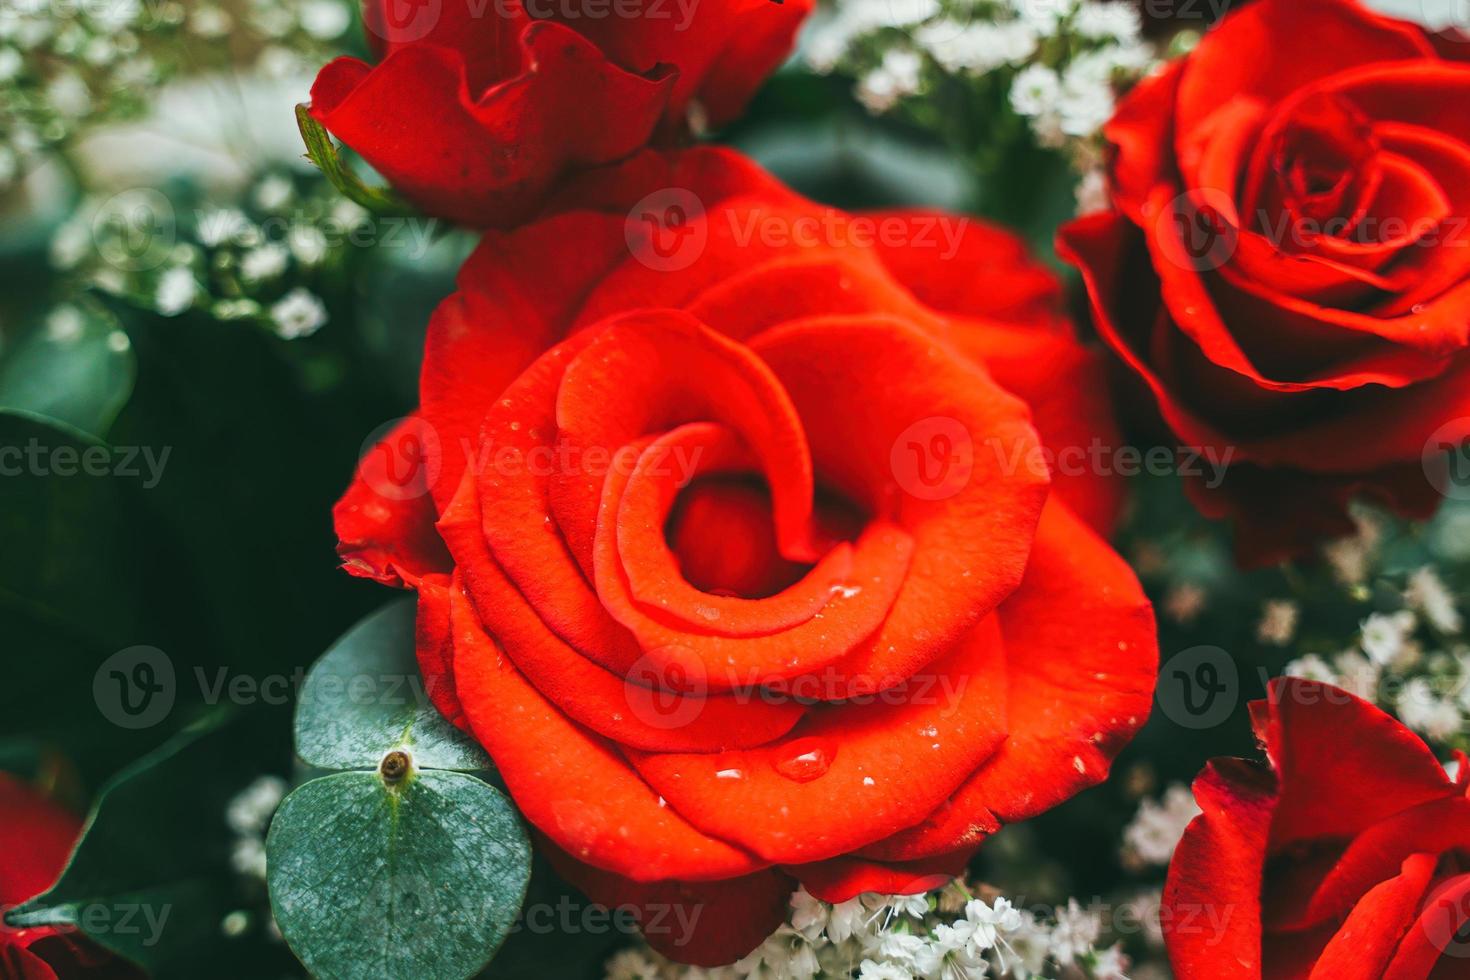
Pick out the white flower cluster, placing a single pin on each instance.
(1157, 828)
(1063, 61)
(257, 260)
(66, 65)
(947, 935)
(1412, 659)
(248, 815)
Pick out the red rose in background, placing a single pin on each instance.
(36, 838)
(478, 106)
(735, 546)
(1288, 265)
(1346, 859)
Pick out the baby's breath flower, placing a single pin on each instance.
(1278, 622)
(176, 292)
(1158, 826)
(298, 314)
(1427, 594)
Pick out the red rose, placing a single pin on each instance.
(1345, 859)
(36, 838)
(734, 544)
(1288, 267)
(478, 106)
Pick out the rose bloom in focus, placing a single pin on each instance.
(38, 837)
(475, 110)
(1344, 858)
(1287, 268)
(736, 546)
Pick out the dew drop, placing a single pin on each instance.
(806, 759)
(729, 774)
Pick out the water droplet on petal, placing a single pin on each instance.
(729, 774)
(806, 759)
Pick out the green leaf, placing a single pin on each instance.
(321, 151)
(65, 518)
(149, 878)
(78, 369)
(365, 696)
(420, 879)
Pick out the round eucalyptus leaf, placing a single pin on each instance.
(365, 696)
(421, 879)
(78, 368)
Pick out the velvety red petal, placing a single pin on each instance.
(38, 835)
(621, 705)
(1432, 939)
(1066, 387)
(1362, 947)
(958, 264)
(1375, 855)
(936, 417)
(1266, 51)
(488, 158)
(434, 642)
(572, 785)
(843, 878)
(1211, 906)
(883, 763)
(1344, 764)
(652, 370)
(707, 923)
(723, 51)
(517, 296)
(1078, 687)
(385, 520)
(1142, 131)
(812, 625)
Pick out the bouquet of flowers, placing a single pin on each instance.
(846, 489)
